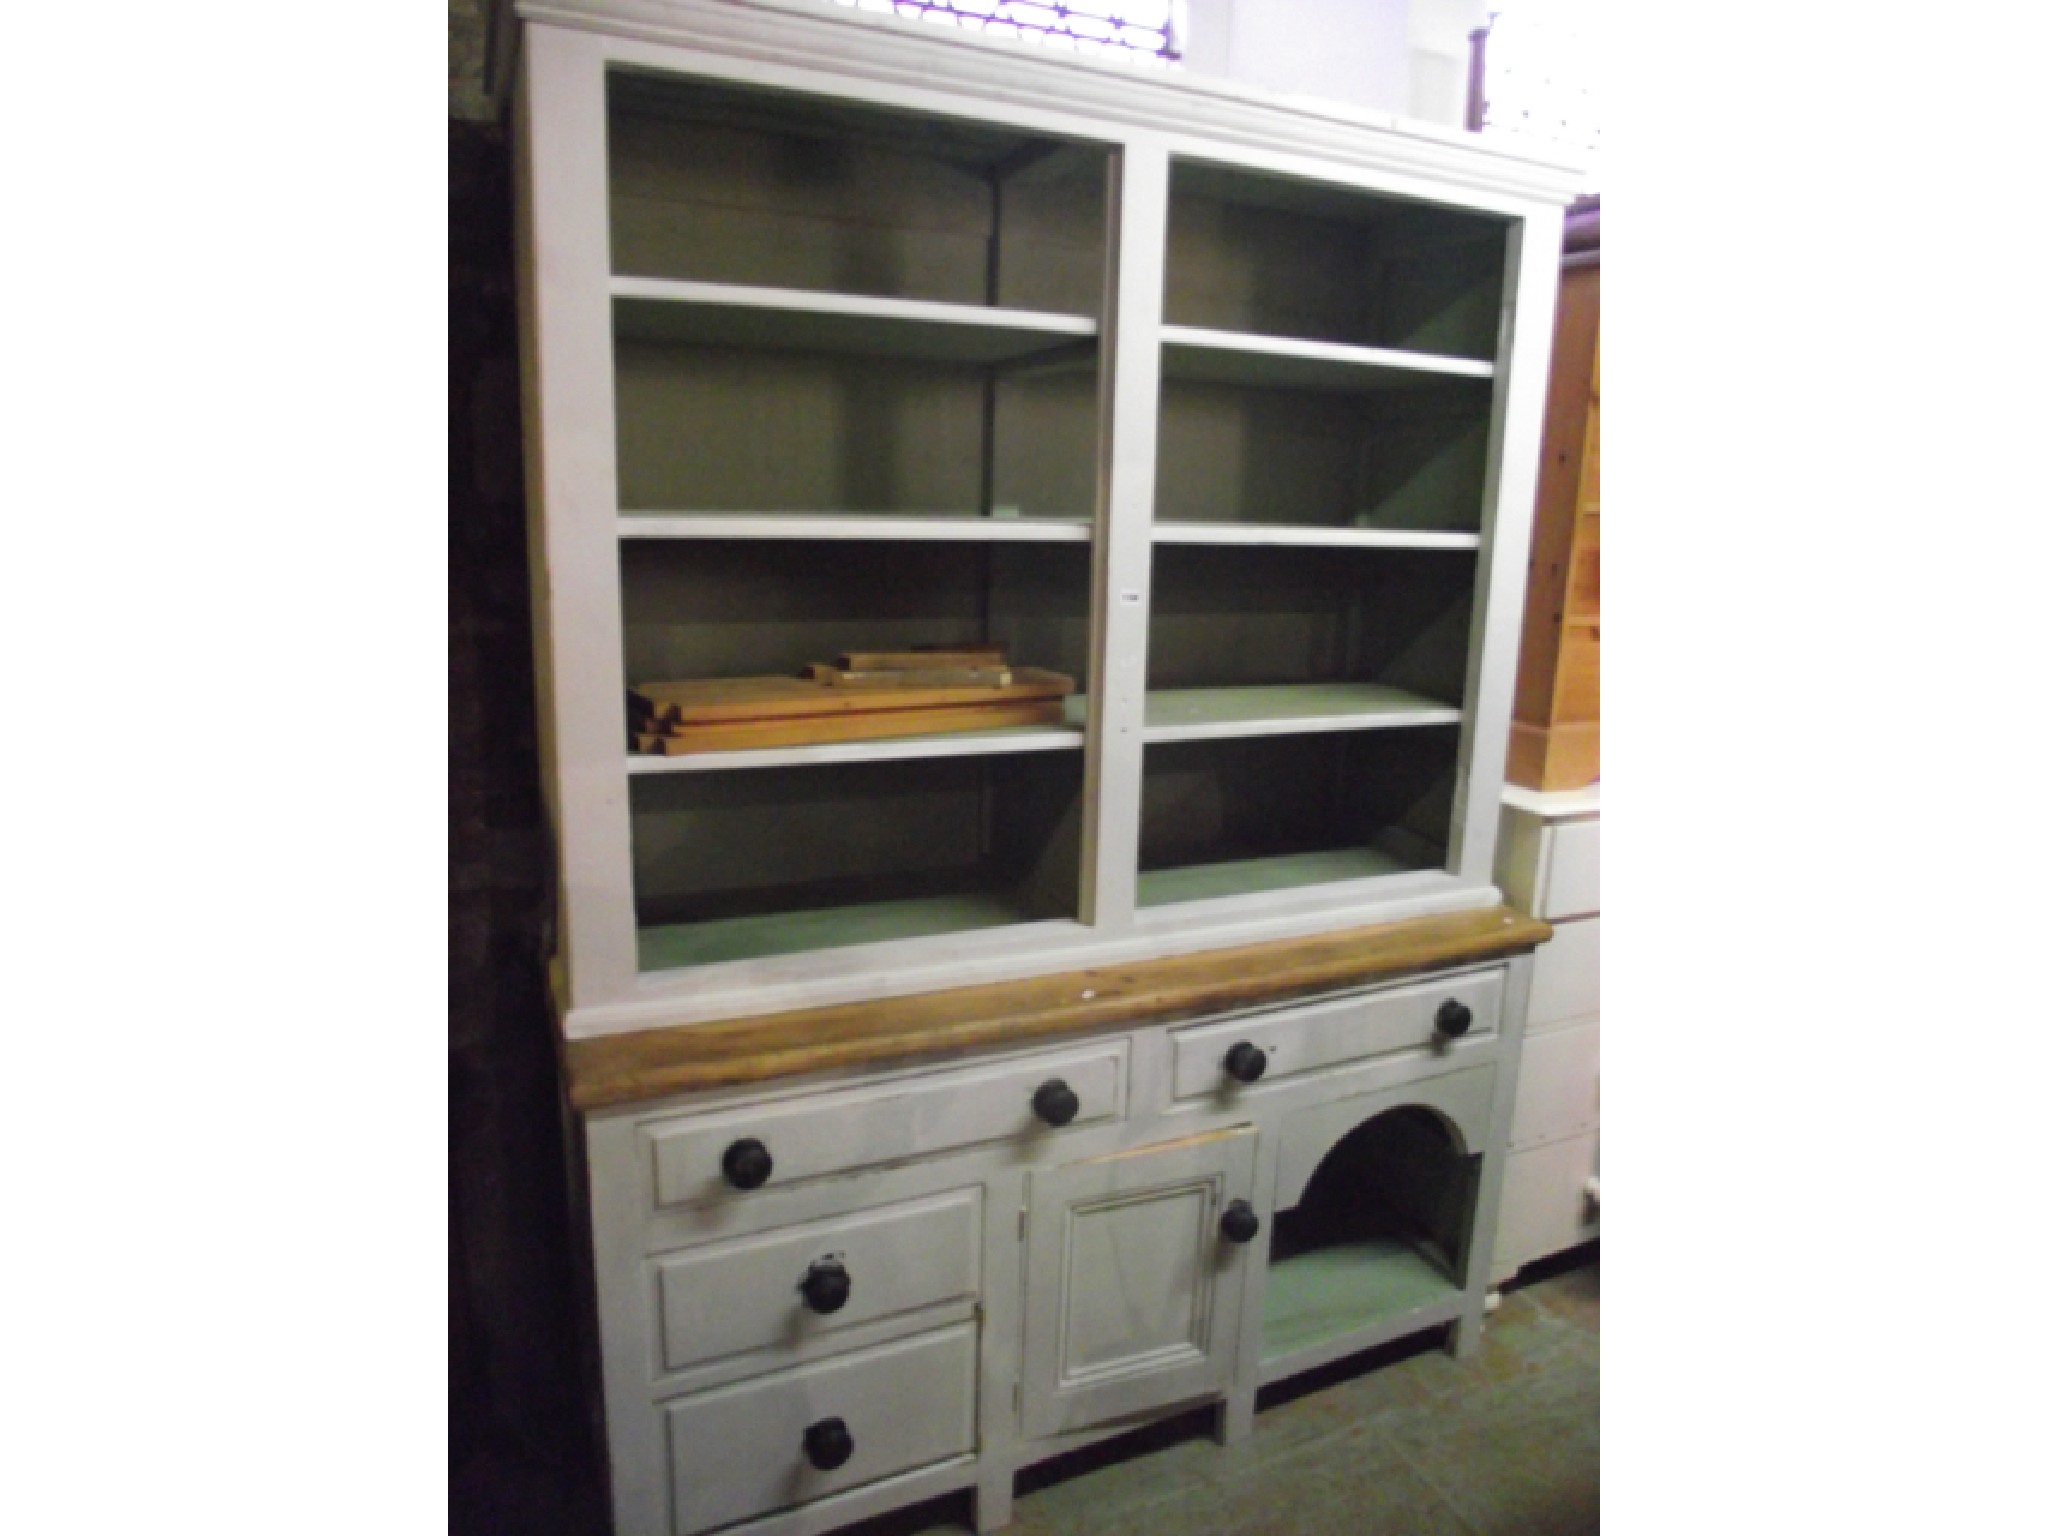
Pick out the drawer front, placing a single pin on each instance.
(1297, 1040)
(1573, 886)
(1565, 983)
(740, 1451)
(1558, 1094)
(888, 1122)
(741, 1296)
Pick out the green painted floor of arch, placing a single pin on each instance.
(1413, 1444)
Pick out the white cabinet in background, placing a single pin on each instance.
(1550, 866)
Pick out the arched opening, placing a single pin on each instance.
(1382, 1228)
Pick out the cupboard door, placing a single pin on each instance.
(1132, 1286)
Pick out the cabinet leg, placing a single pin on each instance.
(1463, 1343)
(993, 1496)
(1234, 1416)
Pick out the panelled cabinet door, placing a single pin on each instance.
(1132, 1286)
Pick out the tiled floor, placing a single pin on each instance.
(1406, 1442)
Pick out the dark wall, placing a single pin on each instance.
(522, 1446)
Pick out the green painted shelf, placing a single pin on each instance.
(1282, 872)
(1325, 1293)
(674, 946)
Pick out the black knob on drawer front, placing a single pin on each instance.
(747, 1164)
(826, 1285)
(828, 1444)
(1453, 1018)
(1055, 1103)
(1245, 1062)
(1240, 1221)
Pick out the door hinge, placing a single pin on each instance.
(1023, 1222)
(1017, 1400)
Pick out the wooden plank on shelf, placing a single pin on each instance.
(864, 725)
(912, 677)
(1066, 735)
(716, 700)
(926, 656)
(649, 1064)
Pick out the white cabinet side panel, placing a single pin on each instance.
(1527, 315)
(572, 487)
(1573, 886)
(1559, 1092)
(1545, 1207)
(1567, 984)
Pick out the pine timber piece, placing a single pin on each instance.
(912, 677)
(650, 1064)
(1554, 740)
(863, 725)
(926, 656)
(724, 700)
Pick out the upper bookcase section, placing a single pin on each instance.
(1259, 255)
(718, 184)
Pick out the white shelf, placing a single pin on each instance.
(1202, 356)
(1302, 536)
(1003, 739)
(1211, 714)
(728, 315)
(839, 526)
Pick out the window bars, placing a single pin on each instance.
(1142, 29)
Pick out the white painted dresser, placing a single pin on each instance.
(942, 1103)
(1550, 866)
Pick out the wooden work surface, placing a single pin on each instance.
(650, 1064)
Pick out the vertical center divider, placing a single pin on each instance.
(1126, 468)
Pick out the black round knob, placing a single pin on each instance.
(1240, 1221)
(828, 1444)
(826, 1285)
(1453, 1018)
(1245, 1062)
(747, 1164)
(1055, 1103)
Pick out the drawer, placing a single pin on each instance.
(741, 1451)
(1296, 1040)
(882, 1123)
(733, 1298)
(1558, 1094)
(1565, 982)
(1571, 887)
